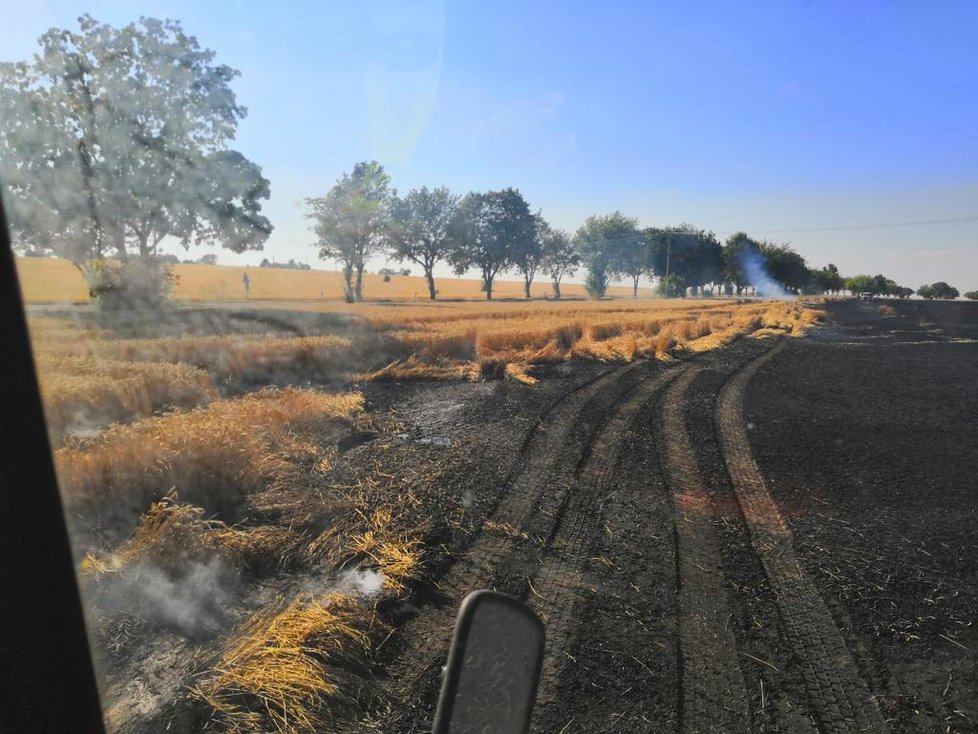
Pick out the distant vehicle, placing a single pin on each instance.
(865, 296)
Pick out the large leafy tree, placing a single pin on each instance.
(353, 221)
(421, 229)
(738, 247)
(528, 255)
(114, 139)
(827, 280)
(600, 242)
(940, 289)
(559, 256)
(631, 258)
(693, 254)
(491, 228)
(785, 266)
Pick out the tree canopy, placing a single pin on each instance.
(528, 254)
(692, 254)
(421, 229)
(352, 222)
(490, 230)
(600, 242)
(559, 256)
(878, 285)
(940, 289)
(113, 139)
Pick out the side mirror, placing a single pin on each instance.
(490, 680)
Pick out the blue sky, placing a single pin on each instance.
(785, 119)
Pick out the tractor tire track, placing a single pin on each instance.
(558, 586)
(425, 638)
(714, 698)
(839, 698)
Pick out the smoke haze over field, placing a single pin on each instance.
(192, 601)
(755, 268)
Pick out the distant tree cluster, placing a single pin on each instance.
(494, 231)
(878, 285)
(940, 289)
(290, 265)
(497, 231)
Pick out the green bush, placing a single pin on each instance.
(672, 286)
(596, 283)
(133, 284)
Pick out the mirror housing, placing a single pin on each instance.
(490, 680)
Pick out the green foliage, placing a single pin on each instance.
(733, 253)
(138, 283)
(878, 285)
(672, 286)
(528, 255)
(785, 266)
(827, 280)
(490, 230)
(693, 254)
(606, 245)
(113, 139)
(971, 295)
(352, 222)
(559, 256)
(596, 283)
(421, 229)
(940, 289)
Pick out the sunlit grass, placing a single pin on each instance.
(284, 671)
(82, 392)
(212, 456)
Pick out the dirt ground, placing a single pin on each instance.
(777, 536)
(774, 536)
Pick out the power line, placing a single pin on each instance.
(792, 230)
(878, 225)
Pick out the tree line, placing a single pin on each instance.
(116, 140)
(493, 232)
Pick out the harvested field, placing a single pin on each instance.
(51, 280)
(723, 527)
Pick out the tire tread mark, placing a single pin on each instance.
(714, 697)
(839, 697)
(558, 585)
(426, 637)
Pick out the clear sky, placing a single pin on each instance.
(794, 121)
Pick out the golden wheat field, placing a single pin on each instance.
(186, 443)
(51, 280)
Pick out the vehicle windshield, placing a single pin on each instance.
(659, 318)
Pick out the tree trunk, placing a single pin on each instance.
(431, 284)
(348, 281)
(557, 288)
(358, 291)
(488, 284)
(526, 287)
(144, 249)
(635, 286)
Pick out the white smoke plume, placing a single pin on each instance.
(754, 266)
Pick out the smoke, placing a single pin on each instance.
(192, 601)
(363, 582)
(754, 265)
(366, 582)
